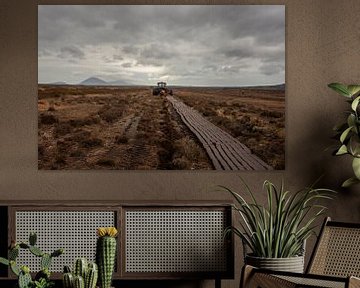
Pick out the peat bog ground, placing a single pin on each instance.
(127, 128)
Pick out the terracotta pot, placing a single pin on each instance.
(291, 264)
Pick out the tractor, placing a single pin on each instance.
(161, 89)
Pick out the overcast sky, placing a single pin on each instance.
(220, 45)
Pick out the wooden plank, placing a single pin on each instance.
(225, 151)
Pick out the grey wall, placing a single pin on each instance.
(322, 46)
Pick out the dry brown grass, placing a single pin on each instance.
(108, 128)
(256, 117)
(128, 128)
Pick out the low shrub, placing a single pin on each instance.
(48, 119)
(91, 142)
(106, 162)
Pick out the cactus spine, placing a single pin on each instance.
(106, 254)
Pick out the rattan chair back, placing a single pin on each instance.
(337, 252)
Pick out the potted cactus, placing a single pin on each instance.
(84, 275)
(106, 254)
(42, 278)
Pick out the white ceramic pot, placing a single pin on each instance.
(291, 264)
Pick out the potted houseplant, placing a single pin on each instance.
(276, 233)
(349, 132)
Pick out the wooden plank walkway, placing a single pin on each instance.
(225, 151)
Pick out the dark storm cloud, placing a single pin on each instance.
(238, 52)
(157, 51)
(173, 41)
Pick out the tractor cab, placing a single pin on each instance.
(161, 84)
(161, 89)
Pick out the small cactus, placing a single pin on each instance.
(36, 251)
(24, 278)
(67, 269)
(68, 280)
(91, 276)
(106, 254)
(45, 261)
(84, 274)
(79, 282)
(80, 268)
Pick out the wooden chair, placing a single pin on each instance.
(335, 262)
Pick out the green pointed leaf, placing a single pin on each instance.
(351, 120)
(356, 167)
(354, 145)
(345, 134)
(349, 182)
(340, 88)
(355, 103)
(342, 150)
(353, 89)
(14, 268)
(4, 261)
(279, 228)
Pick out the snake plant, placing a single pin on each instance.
(349, 132)
(280, 228)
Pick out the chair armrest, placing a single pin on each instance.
(246, 273)
(354, 282)
(252, 277)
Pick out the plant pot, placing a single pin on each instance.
(291, 264)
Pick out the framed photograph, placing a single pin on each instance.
(161, 87)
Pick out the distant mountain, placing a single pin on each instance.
(94, 81)
(118, 82)
(274, 87)
(267, 87)
(58, 83)
(279, 87)
(99, 82)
